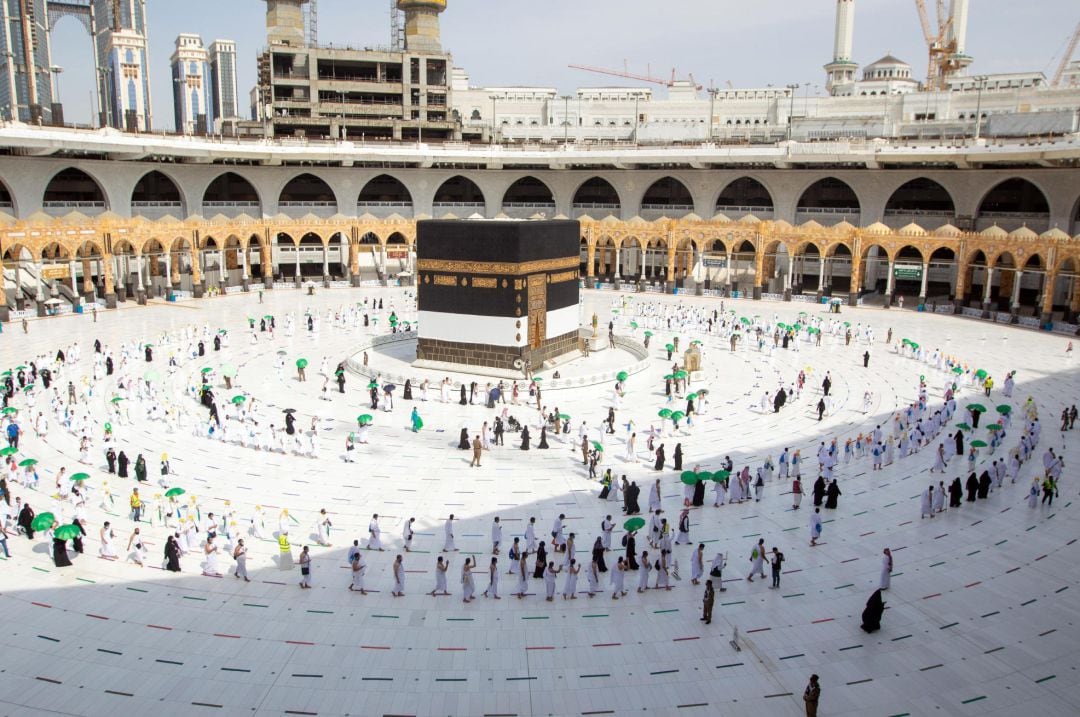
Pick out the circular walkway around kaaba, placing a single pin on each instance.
(981, 615)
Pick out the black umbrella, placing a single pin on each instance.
(289, 410)
(389, 387)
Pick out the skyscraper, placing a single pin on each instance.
(226, 99)
(193, 105)
(124, 77)
(25, 76)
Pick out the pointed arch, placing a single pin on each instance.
(230, 192)
(597, 197)
(460, 192)
(745, 195)
(155, 195)
(72, 188)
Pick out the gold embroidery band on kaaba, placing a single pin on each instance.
(564, 276)
(498, 267)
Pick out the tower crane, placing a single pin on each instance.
(939, 46)
(1056, 82)
(626, 74)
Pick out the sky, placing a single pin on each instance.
(750, 43)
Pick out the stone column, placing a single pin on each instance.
(87, 277)
(889, 285)
(669, 287)
(821, 276)
(385, 268)
(1014, 303)
(987, 286)
(697, 269)
(223, 277)
(855, 285)
(1049, 284)
(925, 280)
(71, 275)
(196, 270)
(169, 283)
(618, 262)
(759, 272)
(788, 278)
(960, 287)
(107, 281)
(140, 288)
(354, 263)
(590, 265)
(296, 248)
(1074, 298)
(40, 281)
(326, 266)
(244, 271)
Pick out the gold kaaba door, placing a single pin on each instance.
(537, 309)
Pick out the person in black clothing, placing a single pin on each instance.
(956, 493)
(631, 496)
(820, 408)
(826, 385)
(60, 556)
(340, 373)
(172, 555)
(122, 465)
(832, 494)
(202, 349)
(525, 438)
(108, 367)
(541, 561)
(407, 395)
(866, 359)
(110, 458)
(779, 401)
(598, 555)
(76, 542)
(959, 437)
(611, 420)
(871, 616)
(463, 401)
(819, 490)
(149, 352)
(290, 427)
(499, 430)
(678, 456)
(463, 442)
(699, 494)
(972, 486)
(217, 342)
(543, 438)
(984, 485)
(659, 465)
(26, 520)
(631, 552)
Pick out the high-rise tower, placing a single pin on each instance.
(422, 24)
(841, 71)
(226, 97)
(25, 74)
(192, 100)
(123, 70)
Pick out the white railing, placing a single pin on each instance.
(284, 284)
(183, 296)
(1003, 317)
(1060, 327)
(20, 314)
(234, 289)
(969, 311)
(1029, 321)
(944, 309)
(339, 284)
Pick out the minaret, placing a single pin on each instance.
(285, 22)
(959, 60)
(841, 71)
(422, 24)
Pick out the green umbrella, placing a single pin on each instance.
(648, 333)
(9, 410)
(108, 427)
(174, 492)
(537, 379)
(980, 374)
(222, 331)
(678, 416)
(237, 400)
(363, 419)
(634, 524)
(670, 347)
(979, 444)
(228, 370)
(301, 363)
(669, 377)
(704, 475)
(695, 341)
(664, 413)
(691, 396)
(719, 476)
(633, 324)
(957, 370)
(847, 323)
(1004, 409)
(746, 320)
(681, 374)
(373, 385)
(21, 367)
(28, 388)
(28, 462)
(67, 532)
(152, 376)
(564, 416)
(597, 446)
(622, 375)
(913, 345)
(9, 451)
(963, 426)
(991, 427)
(43, 521)
(268, 317)
(206, 370)
(977, 407)
(689, 477)
(117, 399)
(80, 477)
(6, 374)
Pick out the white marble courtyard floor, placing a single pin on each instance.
(982, 613)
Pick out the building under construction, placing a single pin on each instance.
(397, 92)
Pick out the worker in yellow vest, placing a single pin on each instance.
(136, 505)
(285, 559)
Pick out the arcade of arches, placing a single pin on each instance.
(1018, 271)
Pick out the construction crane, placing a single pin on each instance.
(1069, 50)
(938, 44)
(626, 74)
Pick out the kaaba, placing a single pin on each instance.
(495, 293)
